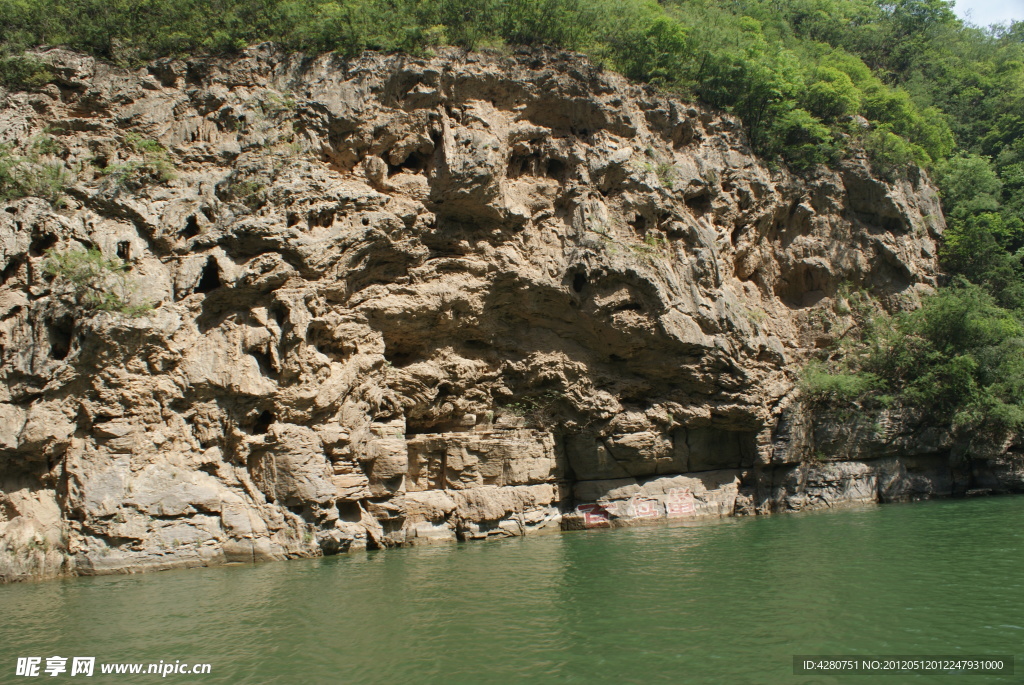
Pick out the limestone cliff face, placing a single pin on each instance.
(407, 300)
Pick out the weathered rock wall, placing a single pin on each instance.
(405, 300)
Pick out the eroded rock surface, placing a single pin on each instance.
(404, 301)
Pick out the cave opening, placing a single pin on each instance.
(191, 229)
(700, 204)
(416, 163)
(11, 269)
(59, 336)
(280, 315)
(323, 218)
(263, 422)
(579, 281)
(555, 169)
(41, 244)
(210, 278)
(265, 363)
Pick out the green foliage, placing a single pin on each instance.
(806, 140)
(32, 176)
(249, 192)
(95, 282)
(151, 164)
(45, 145)
(969, 184)
(818, 383)
(787, 69)
(959, 358)
(273, 104)
(984, 238)
(891, 156)
(24, 72)
(832, 94)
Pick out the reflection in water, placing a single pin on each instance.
(730, 601)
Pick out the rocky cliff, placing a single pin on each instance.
(401, 300)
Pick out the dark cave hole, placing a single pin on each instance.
(736, 233)
(700, 204)
(191, 229)
(579, 281)
(635, 402)
(416, 163)
(59, 337)
(444, 390)
(11, 269)
(555, 169)
(515, 166)
(293, 219)
(124, 250)
(41, 244)
(322, 219)
(629, 307)
(319, 337)
(639, 224)
(398, 357)
(280, 316)
(210, 279)
(521, 165)
(349, 511)
(263, 422)
(616, 358)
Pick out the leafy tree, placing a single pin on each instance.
(832, 94)
(969, 184)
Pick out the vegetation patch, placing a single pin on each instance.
(797, 73)
(151, 164)
(959, 358)
(95, 282)
(36, 175)
(24, 72)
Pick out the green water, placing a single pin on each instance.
(725, 602)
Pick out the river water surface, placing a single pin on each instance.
(723, 602)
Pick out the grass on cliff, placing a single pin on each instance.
(150, 163)
(39, 174)
(95, 282)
